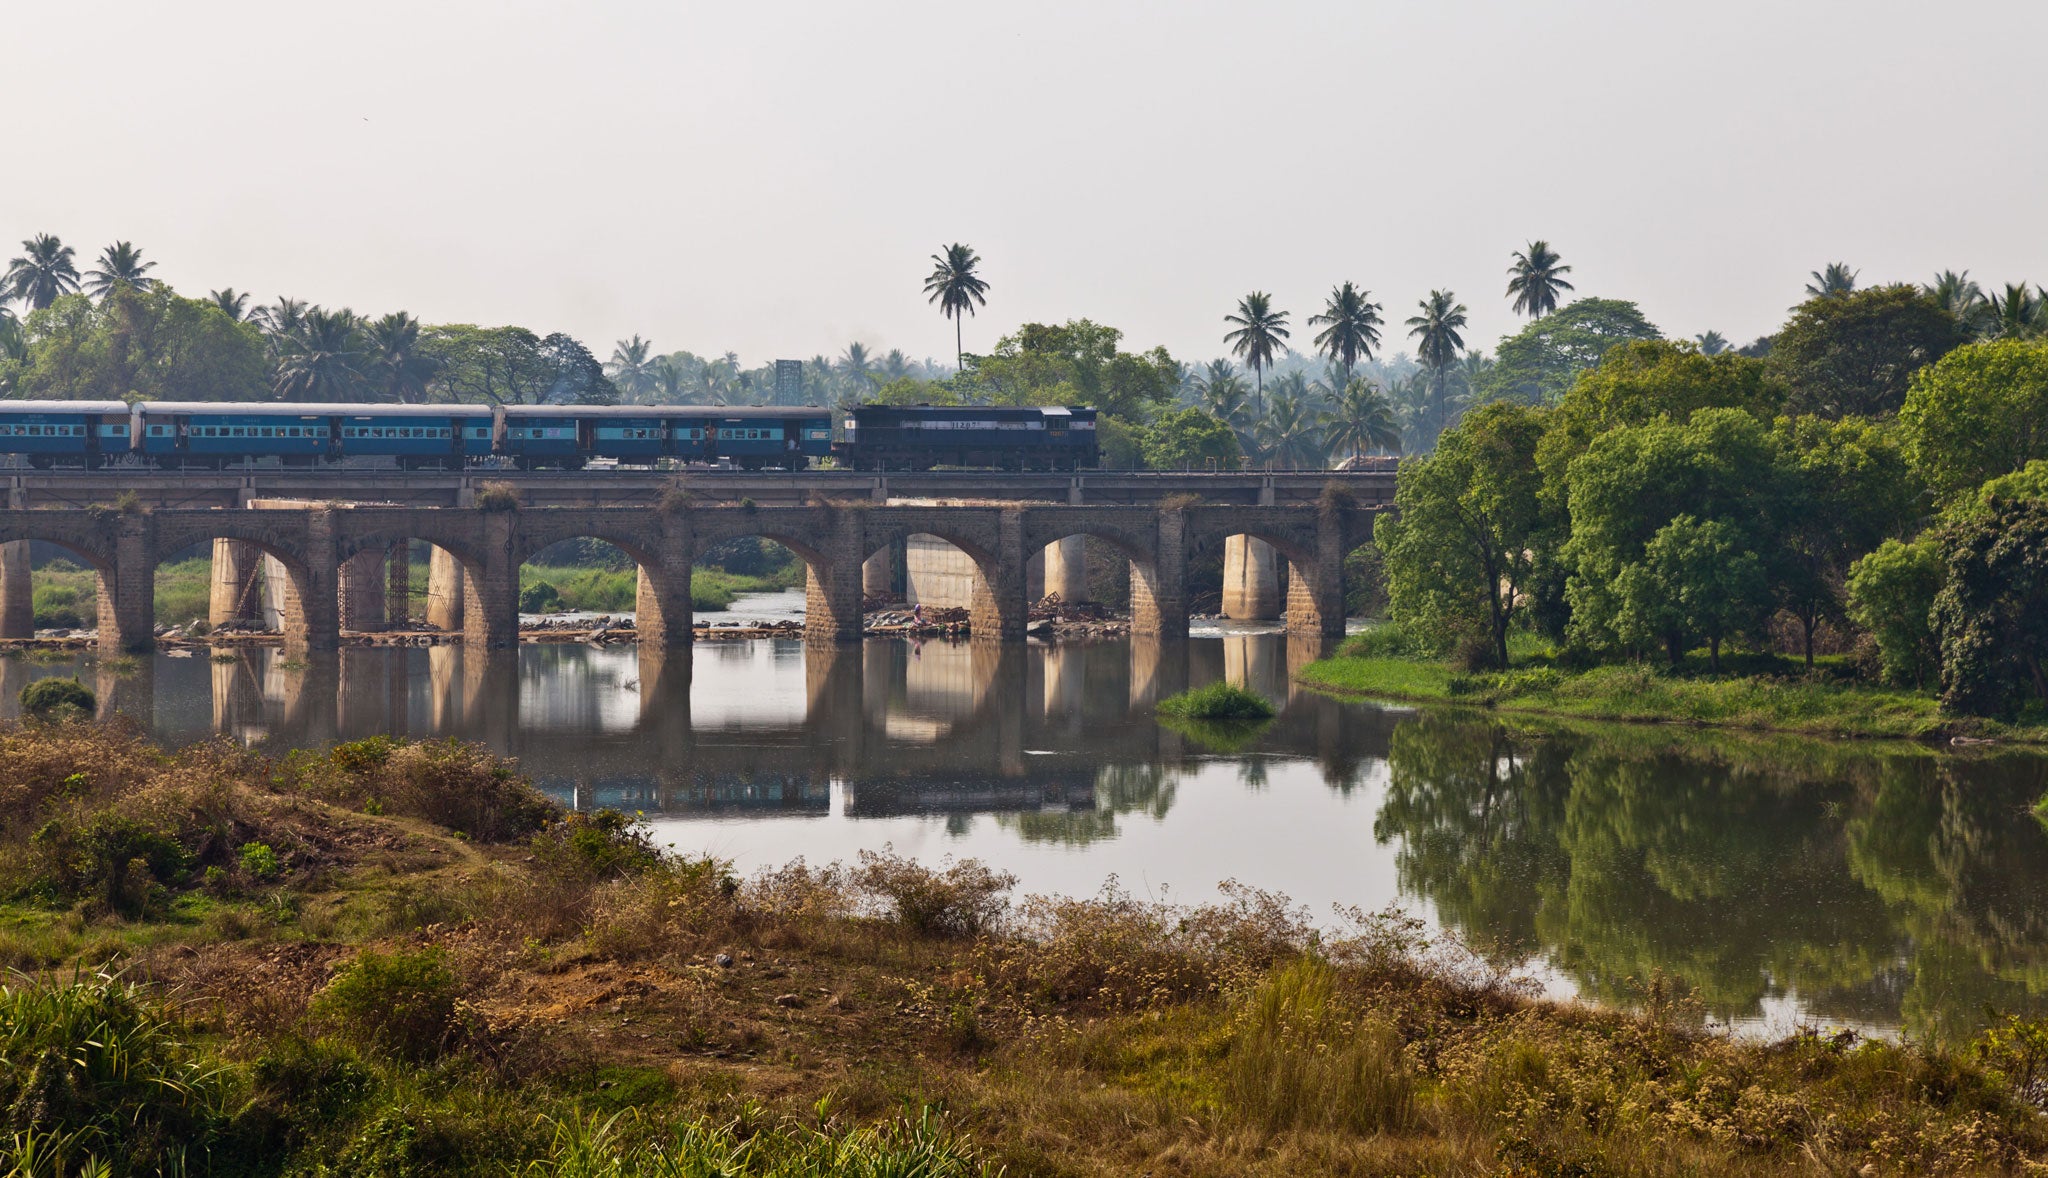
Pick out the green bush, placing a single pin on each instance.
(56, 699)
(260, 862)
(1218, 701)
(402, 1003)
(603, 844)
(59, 606)
(121, 862)
(1388, 640)
(539, 598)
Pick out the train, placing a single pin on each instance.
(217, 435)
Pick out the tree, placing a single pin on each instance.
(577, 377)
(1221, 392)
(1991, 615)
(1073, 363)
(1461, 545)
(1855, 353)
(670, 379)
(2017, 313)
(1891, 595)
(857, 370)
(1438, 341)
(500, 365)
(1350, 324)
(1848, 489)
(632, 367)
(1538, 363)
(956, 288)
(1288, 433)
(1632, 481)
(120, 264)
(137, 344)
(1188, 438)
(323, 361)
(1695, 578)
(1712, 343)
(1960, 297)
(396, 367)
(1979, 412)
(42, 274)
(1535, 278)
(1362, 420)
(1834, 282)
(232, 303)
(281, 319)
(1259, 334)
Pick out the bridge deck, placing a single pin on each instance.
(629, 488)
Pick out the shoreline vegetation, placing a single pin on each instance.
(1761, 693)
(398, 957)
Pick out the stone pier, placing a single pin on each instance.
(17, 592)
(445, 591)
(363, 579)
(236, 593)
(1066, 569)
(1251, 579)
(398, 588)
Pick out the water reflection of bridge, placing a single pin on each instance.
(884, 727)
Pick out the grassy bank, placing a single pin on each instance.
(400, 959)
(1756, 692)
(548, 588)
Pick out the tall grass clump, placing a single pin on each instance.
(1304, 1057)
(447, 782)
(94, 1077)
(404, 1003)
(1217, 701)
(619, 1147)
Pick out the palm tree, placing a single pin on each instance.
(2017, 314)
(1960, 298)
(896, 365)
(856, 369)
(120, 264)
(1832, 283)
(1712, 343)
(1350, 325)
(1220, 392)
(716, 379)
(397, 369)
(281, 318)
(323, 360)
(1362, 420)
(1260, 331)
(1469, 372)
(1534, 279)
(956, 288)
(632, 367)
(231, 301)
(44, 273)
(670, 378)
(1288, 435)
(1437, 344)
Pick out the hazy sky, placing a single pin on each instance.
(771, 178)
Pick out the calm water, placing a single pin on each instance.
(1780, 881)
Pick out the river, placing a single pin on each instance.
(1778, 882)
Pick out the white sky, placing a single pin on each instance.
(771, 178)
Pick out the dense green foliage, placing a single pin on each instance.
(1217, 701)
(1539, 363)
(52, 698)
(1980, 412)
(1855, 353)
(1992, 611)
(136, 344)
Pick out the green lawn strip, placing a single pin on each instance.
(1639, 693)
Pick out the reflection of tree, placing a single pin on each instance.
(1950, 845)
(1146, 789)
(1881, 887)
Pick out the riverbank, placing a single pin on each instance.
(1765, 699)
(397, 957)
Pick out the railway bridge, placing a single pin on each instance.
(336, 553)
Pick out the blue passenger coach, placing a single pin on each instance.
(203, 433)
(415, 435)
(70, 433)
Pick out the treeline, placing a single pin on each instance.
(1872, 479)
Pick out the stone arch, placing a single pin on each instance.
(992, 545)
(1134, 535)
(826, 541)
(306, 609)
(662, 608)
(1311, 544)
(17, 590)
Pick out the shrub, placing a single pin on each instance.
(1217, 701)
(539, 598)
(260, 862)
(1891, 594)
(497, 496)
(447, 782)
(58, 699)
(119, 861)
(59, 607)
(964, 899)
(1388, 640)
(600, 845)
(402, 1003)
